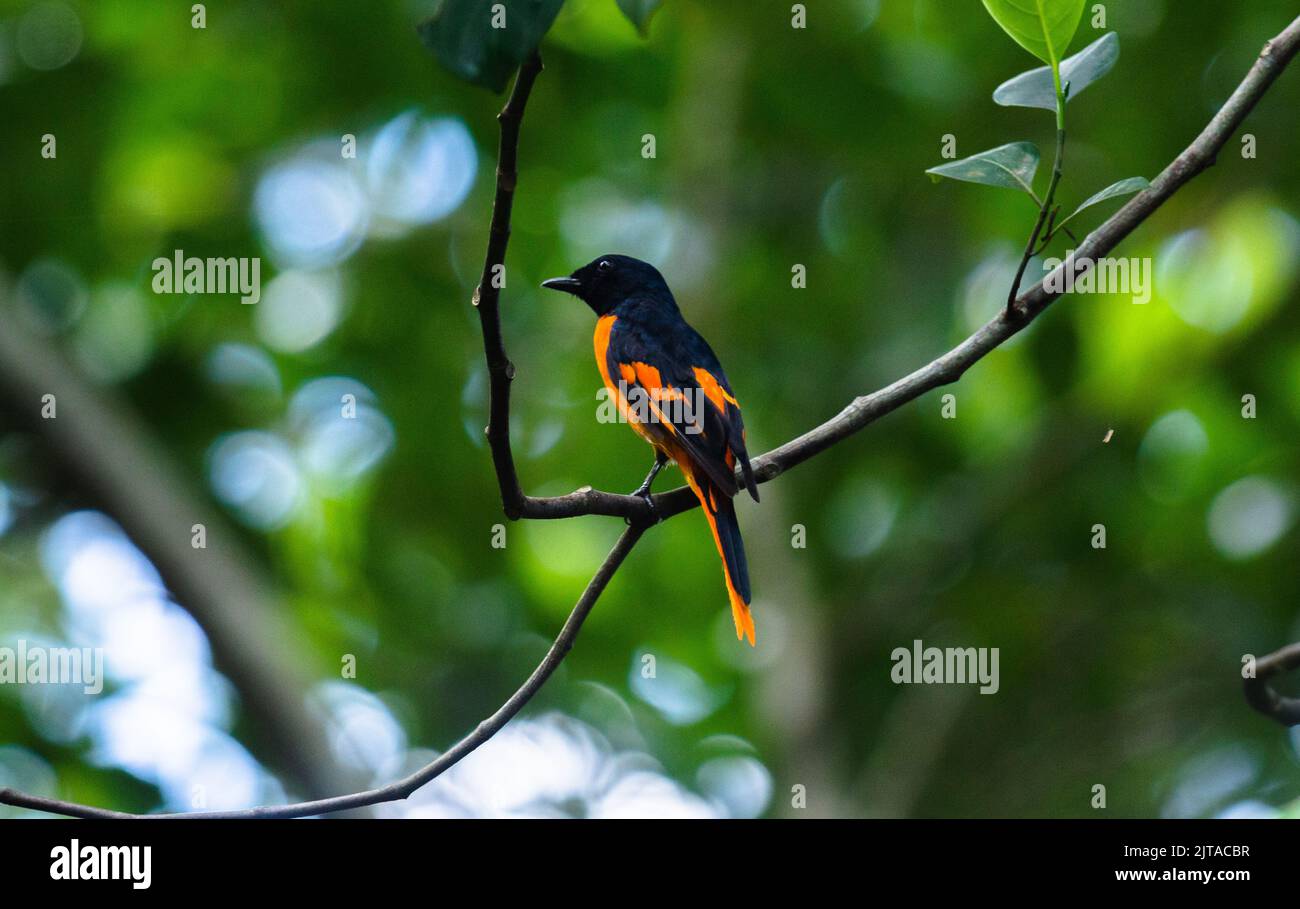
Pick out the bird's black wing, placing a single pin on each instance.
(674, 383)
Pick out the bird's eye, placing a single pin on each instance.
(604, 265)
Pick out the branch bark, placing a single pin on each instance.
(487, 296)
(860, 413)
(1261, 696)
(1043, 212)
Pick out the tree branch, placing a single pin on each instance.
(950, 367)
(1261, 696)
(1043, 212)
(861, 412)
(487, 296)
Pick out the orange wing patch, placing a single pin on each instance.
(713, 390)
(648, 376)
(651, 381)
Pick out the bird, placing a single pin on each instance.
(671, 389)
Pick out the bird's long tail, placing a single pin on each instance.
(721, 514)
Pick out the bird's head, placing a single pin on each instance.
(608, 280)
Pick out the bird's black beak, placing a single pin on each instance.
(569, 285)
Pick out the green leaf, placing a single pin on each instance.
(1121, 188)
(1012, 166)
(639, 12)
(1035, 88)
(468, 39)
(1042, 27)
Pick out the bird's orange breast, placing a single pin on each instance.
(604, 327)
(628, 376)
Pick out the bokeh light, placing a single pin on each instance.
(1249, 517)
(49, 35)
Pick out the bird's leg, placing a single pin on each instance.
(643, 491)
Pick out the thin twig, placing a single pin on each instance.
(487, 295)
(1261, 696)
(1043, 213)
(1047, 230)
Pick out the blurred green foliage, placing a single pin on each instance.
(775, 146)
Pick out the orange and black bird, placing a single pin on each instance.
(670, 387)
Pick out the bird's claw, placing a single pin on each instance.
(643, 493)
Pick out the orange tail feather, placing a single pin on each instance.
(740, 612)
